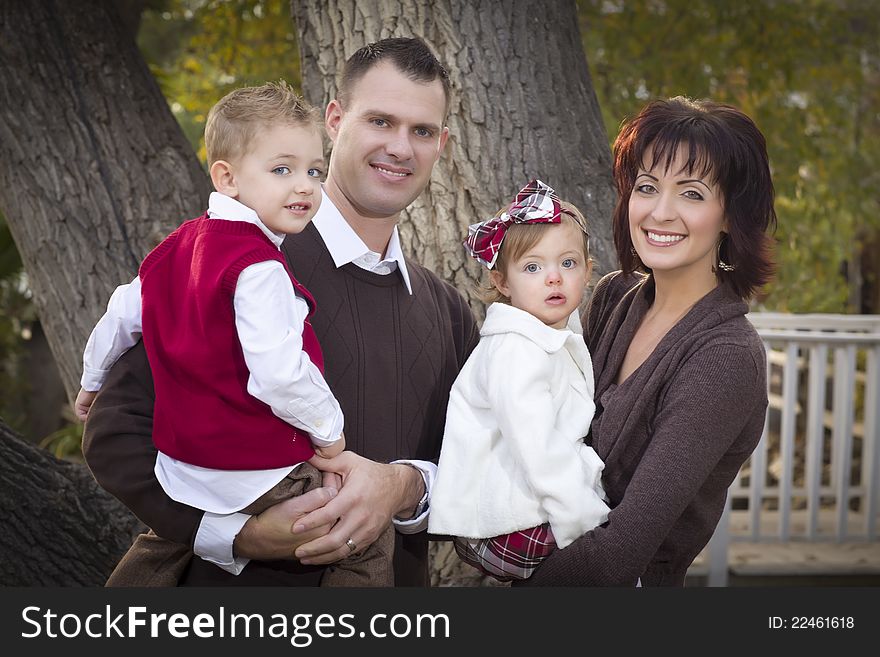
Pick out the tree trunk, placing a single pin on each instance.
(523, 107)
(94, 169)
(59, 527)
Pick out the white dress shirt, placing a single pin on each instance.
(269, 320)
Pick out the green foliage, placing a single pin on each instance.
(199, 50)
(807, 71)
(66, 442)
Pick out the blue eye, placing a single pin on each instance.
(423, 132)
(645, 188)
(315, 173)
(531, 268)
(281, 171)
(569, 263)
(381, 123)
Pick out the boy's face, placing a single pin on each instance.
(385, 140)
(279, 177)
(549, 279)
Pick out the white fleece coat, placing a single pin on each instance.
(512, 455)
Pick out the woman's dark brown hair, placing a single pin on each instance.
(722, 144)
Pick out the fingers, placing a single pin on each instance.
(360, 512)
(331, 480)
(322, 558)
(334, 546)
(268, 535)
(342, 463)
(308, 503)
(324, 514)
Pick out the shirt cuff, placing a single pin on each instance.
(327, 438)
(419, 522)
(214, 540)
(92, 379)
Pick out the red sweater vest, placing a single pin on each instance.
(203, 413)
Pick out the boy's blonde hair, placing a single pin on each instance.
(519, 238)
(234, 121)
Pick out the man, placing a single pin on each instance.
(393, 334)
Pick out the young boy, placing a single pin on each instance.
(241, 402)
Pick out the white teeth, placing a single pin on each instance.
(654, 237)
(391, 173)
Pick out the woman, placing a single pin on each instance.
(680, 373)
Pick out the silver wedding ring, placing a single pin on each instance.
(351, 545)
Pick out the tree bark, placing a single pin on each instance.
(59, 527)
(94, 169)
(523, 107)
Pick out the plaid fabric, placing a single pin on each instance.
(536, 203)
(508, 557)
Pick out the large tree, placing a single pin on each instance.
(94, 168)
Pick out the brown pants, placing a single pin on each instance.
(154, 561)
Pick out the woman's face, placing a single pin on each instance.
(675, 218)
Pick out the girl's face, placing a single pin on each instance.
(548, 280)
(676, 219)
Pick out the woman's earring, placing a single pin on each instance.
(723, 266)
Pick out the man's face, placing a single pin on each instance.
(385, 141)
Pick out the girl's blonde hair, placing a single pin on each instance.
(519, 238)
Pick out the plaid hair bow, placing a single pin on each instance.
(536, 203)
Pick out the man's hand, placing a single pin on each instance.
(371, 494)
(268, 536)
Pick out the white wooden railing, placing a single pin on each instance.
(815, 475)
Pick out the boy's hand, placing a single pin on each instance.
(331, 450)
(83, 403)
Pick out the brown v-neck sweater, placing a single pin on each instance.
(390, 359)
(673, 435)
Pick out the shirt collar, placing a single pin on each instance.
(344, 244)
(225, 207)
(504, 318)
